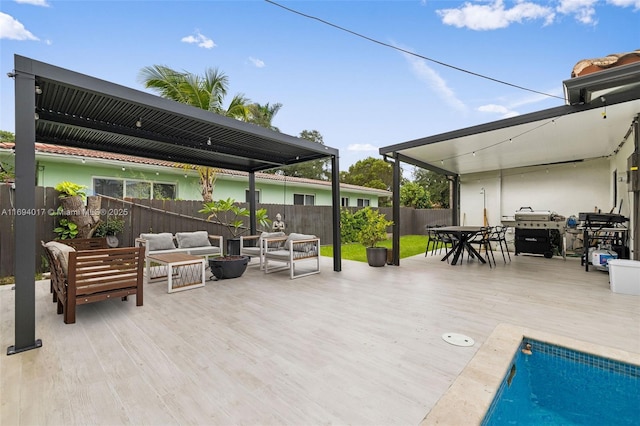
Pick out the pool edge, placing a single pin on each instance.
(470, 395)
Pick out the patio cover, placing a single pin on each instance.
(573, 132)
(77, 110)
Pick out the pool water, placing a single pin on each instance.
(560, 386)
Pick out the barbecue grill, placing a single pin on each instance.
(539, 232)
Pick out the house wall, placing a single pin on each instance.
(53, 171)
(625, 199)
(566, 189)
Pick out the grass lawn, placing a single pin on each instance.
(410, 245)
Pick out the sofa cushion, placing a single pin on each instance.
(299, 247)
(193, 239)
(61, 252)
(274, 244)
(161, 241)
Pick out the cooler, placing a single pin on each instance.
(624, 276)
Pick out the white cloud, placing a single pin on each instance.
(501, 110)
(34, 2)
(361, 147)
(257, 62)
(583, 10)
(425, 73)
(12, 29)
(200, 40)
(626, 3)
(492, 16)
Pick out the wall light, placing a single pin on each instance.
(139, 123)
(123, 169)
(38, 90)
(83, 161)
(209, 141)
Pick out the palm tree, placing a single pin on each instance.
(206, 92)
(262, 115)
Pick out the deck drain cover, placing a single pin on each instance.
(457, 339)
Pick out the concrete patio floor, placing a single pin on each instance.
(359, 347)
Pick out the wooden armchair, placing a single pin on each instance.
(86, 276)
(296, 248)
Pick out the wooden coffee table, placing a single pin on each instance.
(184, 271)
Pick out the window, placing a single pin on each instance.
(246, 196)
(363, 202)
(344, 201)
(304, 200)
(120, 188)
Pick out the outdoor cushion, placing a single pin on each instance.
(299, 247)
(277, 234)
(61, 252)
(192, 239)
(161, 241)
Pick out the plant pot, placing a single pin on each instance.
(112, 241)
(228, 266)
(233, 247)
(376, 256)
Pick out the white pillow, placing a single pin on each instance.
(161, 241)
(298, 237)
(193, 239)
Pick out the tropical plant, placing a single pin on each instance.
(374, 228)
(70, 189)
(229, 214)
(262, 115)
(111, 226)
(66, 229)
(412, 194)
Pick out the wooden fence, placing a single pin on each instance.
(182, 216)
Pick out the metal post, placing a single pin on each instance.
(396, 210)
(335, 204)
(25, 214)
(253, 222)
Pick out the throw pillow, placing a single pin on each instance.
(61, 252)
(161, 241)
(193, 239)
(299, 247)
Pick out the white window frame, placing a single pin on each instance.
(127, 180)
(364, 202)
(305, 199)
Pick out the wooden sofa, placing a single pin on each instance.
(87, 276)
(295, 248)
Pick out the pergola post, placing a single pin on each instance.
(25, 214)
(396, 210)
(335, 207)
(253, 225)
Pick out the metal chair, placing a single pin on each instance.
(499, 235)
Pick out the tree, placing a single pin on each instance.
(370, 172)
(206, 92)
(262, 115)
(435, 184)
(6, 136)
(414, 195)
(314, 169)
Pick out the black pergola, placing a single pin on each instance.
(61, 107)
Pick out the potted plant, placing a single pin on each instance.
(109, 228)
(229, 214)
(374, 230)
(72, 200)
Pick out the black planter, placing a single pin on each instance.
(233, 247)
(228, 266)
(376, 256)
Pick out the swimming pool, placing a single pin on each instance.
(555, 385)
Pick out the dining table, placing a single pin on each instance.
(461, 237)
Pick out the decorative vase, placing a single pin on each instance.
(376, 256)
(228, 266)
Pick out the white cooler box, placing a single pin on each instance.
(624, 276)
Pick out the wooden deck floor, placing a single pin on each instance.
(358, 347)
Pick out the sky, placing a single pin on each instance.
(365, 74)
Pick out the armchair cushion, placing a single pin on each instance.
(299, 247)
(61, 252)
(192, 239)
(277, 234)
(161, 241)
